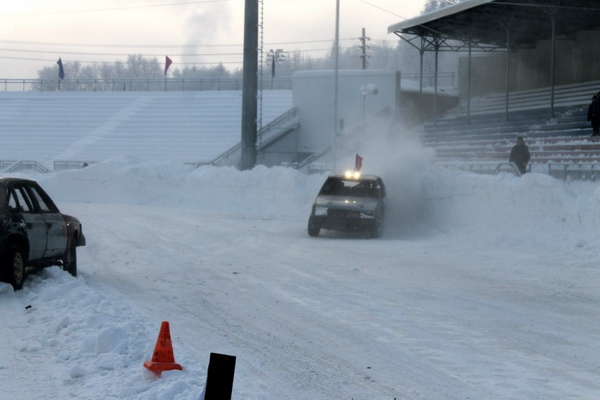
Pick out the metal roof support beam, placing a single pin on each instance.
(506, 21)
(469, 85)
(432, 43)
(421, 63)
(552, 61)
(438, 43)
(525, 23)
(435, 79)
(507, 72)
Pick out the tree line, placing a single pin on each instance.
(399, 56)
(392, 55)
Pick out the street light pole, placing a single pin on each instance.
(335, 85)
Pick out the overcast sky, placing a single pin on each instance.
(35, 33)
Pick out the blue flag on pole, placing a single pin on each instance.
(61, 71)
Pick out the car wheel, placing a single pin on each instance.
(313, 227)
(376, 230)
(70, 260)
(14, 265)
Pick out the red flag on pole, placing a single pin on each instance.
(358, 163)
(168, 63)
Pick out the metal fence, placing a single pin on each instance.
(21, 166)
(139, 85)
(174, 84)
(483, 167)
(575, 172)
(67, 165)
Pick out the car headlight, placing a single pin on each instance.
(320, 210)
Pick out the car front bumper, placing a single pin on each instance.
(345, 221)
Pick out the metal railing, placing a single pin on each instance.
(278, 124)
(28, 166)
(575, 172)
(4, 164)
(483, 167)
(282, 119)
(67, 165)
(138, 85)
(445, 79)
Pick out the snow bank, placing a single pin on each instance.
(94, 337)
(269, 193)
(423, 200)
(504, 210)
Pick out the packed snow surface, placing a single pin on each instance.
(482, 287)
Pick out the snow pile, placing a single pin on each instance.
(505, 210)
(262, 192)
(61, 326)
(535, 210)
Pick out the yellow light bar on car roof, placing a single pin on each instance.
(352, 175)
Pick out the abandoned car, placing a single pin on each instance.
(34, 234)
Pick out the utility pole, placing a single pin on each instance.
(335, 87)
(364, 47)
(250, 86)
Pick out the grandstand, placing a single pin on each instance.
(78, 128)
(558, 139)
(534, 77)
(489, 132)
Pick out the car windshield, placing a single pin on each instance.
(344, 187)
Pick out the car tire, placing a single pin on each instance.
(70, 260)
(313, 227)
(14, 266)
(376, 230)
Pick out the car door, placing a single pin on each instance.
(56, 226)
(22, 205)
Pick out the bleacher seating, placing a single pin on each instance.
(487, 132)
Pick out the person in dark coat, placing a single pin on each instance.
(594, 115)
(519, 154)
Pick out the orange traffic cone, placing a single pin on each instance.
(163, 358)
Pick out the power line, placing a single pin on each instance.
(166, 46)
(121, 54)
(138, 46)
(382, 9)
(143, 54)
(127, 8)
(53, 60)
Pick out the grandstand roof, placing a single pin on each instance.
(485, 22)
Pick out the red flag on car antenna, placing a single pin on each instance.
(358, 163)
(168, 63)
